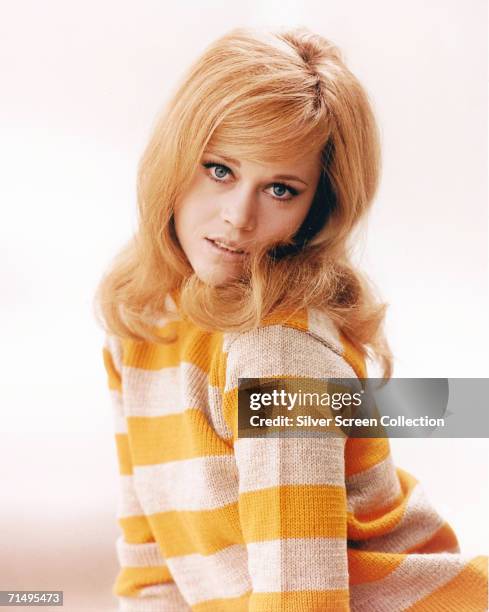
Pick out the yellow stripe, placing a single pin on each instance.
(297, 320)
(205, 531)
(152, 356)
(337, 600)
(123, 454)
(442, 540)
(230, 410)
(131, 580)
(364, 453)
(293, 511)
(172, 437)
(365, 566)
(194, 346)
(466, 592)
(231, 604)
(198, 347)
(113, 378)
(217, 371)
(361, 529)
(136, 529)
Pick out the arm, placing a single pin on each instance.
(144, 583)
(292, 496)
(401, 551)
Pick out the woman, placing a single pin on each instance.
(262, 165)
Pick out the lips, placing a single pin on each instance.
(224, 253)
(232, 248)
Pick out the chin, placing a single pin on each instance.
(216, 277)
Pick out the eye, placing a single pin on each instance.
(218, 173)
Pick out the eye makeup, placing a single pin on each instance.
(209, 165)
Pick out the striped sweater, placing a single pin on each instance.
(211, 522)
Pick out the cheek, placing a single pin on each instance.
(187, 216)
(194, 209)
(279, 224)
(194, 217)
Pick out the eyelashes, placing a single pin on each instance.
(211, 164)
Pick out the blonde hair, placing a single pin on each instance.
(257, 95)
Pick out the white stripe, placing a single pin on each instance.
(419, 522)
(119, 420)
(322, 326)
(158, 598)
(173, 390)
(113, 345)
(201, 483)
(128, 502)
(297, 564)
(155, 392)
(318, 324)
(272, 462)
(216, 415)
(275, 350)
(228, 339)
(138, 555)
(417, 576)
(373, 488)
(220, 575)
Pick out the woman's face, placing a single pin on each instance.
(243, 204)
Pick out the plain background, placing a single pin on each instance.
(82, 83)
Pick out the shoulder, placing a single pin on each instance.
(307, 343)
(113, 351)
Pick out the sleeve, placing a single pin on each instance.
(402, 554)
(330, 523)
(292, 496)
(144, 582)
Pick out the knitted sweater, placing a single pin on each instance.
(211, 522)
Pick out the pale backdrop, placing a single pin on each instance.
(81, 85)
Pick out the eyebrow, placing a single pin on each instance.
(283, 177)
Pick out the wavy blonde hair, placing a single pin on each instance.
(257, 95)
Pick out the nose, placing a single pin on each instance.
(239, 209)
